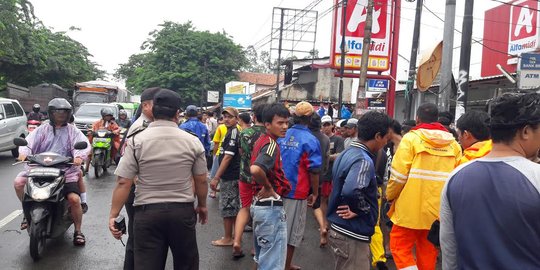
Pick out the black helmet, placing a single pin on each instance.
(106, 111)
(36, 108)
(58, 104)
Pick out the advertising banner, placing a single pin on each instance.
(238, 101)
(355, 17)
(378, 85)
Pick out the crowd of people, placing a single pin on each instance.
(379, 190)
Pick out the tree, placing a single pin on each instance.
(30, 53)
(185, 60)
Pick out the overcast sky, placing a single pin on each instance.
(112, 30)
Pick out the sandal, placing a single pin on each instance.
(24, 224)
(84, 207)
(79, 239)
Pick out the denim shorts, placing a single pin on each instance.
(269, 236)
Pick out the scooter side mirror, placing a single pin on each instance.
(81, 145)
(20, 142)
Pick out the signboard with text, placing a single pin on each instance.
(378, 85)
(238, 101)
(529, 70)
(355, 17)
(376, 103)
(213, 97)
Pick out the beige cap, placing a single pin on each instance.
(303, 109)
(232, 111)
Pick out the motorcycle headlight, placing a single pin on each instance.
(41, 193)
(101, 133)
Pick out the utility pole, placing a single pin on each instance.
(445, 88)
(361, 96)
(465, 59)
(412, 62)
(342, 65)
(279, 55)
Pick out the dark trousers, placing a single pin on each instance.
(129, 263)
(159, 227)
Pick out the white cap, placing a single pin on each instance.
(326, 119)
(341, 123)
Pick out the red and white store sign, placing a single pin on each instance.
(523, 35)
(355, 18)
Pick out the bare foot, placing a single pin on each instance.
(237, 248)
(222, 242)
(324, 238)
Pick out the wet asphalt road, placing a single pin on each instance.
(102, 251)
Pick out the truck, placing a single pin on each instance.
(98, 92)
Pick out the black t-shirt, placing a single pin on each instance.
(337, 145)
(230, 146)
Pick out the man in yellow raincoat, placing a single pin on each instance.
(422, 163)
(473, 135)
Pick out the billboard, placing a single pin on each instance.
(355, 17)
(238, 101)
(509, 30)
(237, 87)
(213, 96)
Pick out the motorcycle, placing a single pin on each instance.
(44, 205)
(101, 151)
(32, 124)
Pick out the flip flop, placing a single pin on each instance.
(238, 255)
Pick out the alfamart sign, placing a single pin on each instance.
(355, 18)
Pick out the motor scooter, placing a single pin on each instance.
(44, 204)
(32, 124)
(101, 151)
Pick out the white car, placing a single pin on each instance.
(12, 125)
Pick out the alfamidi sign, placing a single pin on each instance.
(524, 20)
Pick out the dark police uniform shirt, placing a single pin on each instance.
(230, 146)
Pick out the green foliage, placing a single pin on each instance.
(185, 60)
(31, 54)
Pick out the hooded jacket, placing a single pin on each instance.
(421, 166)
(477, 150)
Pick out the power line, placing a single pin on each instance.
(515, 5)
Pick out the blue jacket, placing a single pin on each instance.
(194, 126)
(301, 155)
(354, 184)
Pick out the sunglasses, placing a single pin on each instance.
(58, 111)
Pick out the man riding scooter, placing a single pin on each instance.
(106, 122)
(35, 114)
(60, 138)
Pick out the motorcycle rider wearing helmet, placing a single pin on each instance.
(106, 122)
(60, 138)
(123, 120)
(35, 114)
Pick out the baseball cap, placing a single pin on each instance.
(167, 98)
(303, 109)
(341, 123)
(352, 123)
(232, 111)
(326, 119)
(191, 110)
(149, 93)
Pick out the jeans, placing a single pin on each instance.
(269, 236)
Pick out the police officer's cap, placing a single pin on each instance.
(150, 93)
(168, 98)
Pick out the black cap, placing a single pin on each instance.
(150, 93)
(167, 98)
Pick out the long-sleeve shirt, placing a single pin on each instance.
(61, 141)
(194, 126)
(490, 215)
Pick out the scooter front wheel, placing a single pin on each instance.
(37, 240)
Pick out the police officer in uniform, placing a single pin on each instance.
(165, 159)
(141, 123)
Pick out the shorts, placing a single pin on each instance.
(229, 201)
(326, 189)
(246, 193)
(295, 211)
(72, 187)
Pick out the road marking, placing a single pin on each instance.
(10, 217)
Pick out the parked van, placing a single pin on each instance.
(12, 125)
